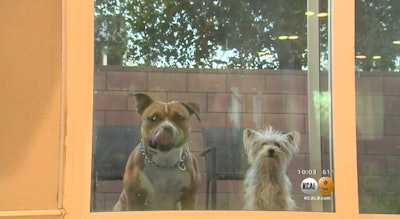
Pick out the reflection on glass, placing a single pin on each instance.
(378, 96)
(247, 64)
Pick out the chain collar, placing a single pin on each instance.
(180, 164)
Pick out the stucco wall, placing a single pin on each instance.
(30, 104)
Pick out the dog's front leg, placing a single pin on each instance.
(135, 199)
(136, 196)
(188, 200)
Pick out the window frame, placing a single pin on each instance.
(78, 47)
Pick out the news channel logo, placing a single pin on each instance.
(325, 185)
(310, 186)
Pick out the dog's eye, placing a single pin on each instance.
(178, 117)
(277, 144)
(153, 118)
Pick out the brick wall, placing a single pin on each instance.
(378, 141)
(226, 97)
(250, 98)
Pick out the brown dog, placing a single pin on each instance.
(161, 173)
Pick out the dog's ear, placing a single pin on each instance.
(247, 135)
(193, 108)
(142, 102)
(294, 140)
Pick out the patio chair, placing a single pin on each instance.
(224, 156)
(112, 146)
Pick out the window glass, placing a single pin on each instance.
(377, 103)
(245, 65)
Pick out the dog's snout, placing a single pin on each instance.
(167, 128)
(271, 151)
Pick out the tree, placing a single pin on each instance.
(377, 26)
(208, 33)
(111, 31)
(233, 34)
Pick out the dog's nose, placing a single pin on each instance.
(271, 151)
(167, 128)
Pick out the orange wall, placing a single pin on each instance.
(30, 103)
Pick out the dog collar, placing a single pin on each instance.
(180, 164)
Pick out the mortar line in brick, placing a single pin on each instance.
(265, 83)
(187, 82)
(106, 78)
(206, 107)
(226, 82)
(147, 80)
(126, 101)
(285, 104)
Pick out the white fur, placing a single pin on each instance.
(166, 159)
(164, 185)
(266, 185)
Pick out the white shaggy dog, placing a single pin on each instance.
(266, 185)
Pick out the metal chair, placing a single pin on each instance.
(112, 146)
(224, 156)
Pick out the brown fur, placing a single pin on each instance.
(159, 184)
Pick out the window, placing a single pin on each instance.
(246, 64)
(79, 68)
(377, 92)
